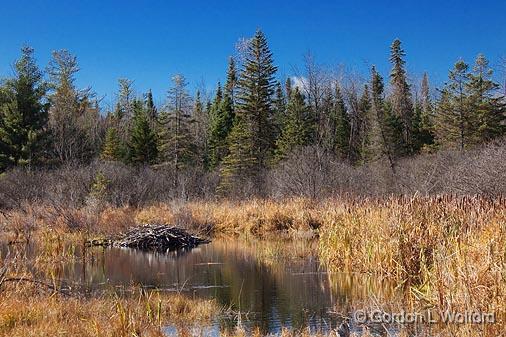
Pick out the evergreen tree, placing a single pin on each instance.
(150, 106)
(343, 127)
(485, 101)
(401, 102)
(367, 122)
(288, 87)
(326, 122)
(241, 162)
(23, 112)
(142, 147)
(279, 110)
(456, 123)
(222, 120)
(423, 117)
(297, 128)
(69, 114)
(124, 107)
(176, 142)
(254, 111)
(122, 116)
(385, 125)
(200, 131)
(231, 84)
(112, 149)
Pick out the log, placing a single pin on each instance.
(157, 237)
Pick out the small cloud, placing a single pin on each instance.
(299, 82)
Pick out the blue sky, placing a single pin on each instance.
(149, 41)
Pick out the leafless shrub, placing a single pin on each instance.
(310, 172)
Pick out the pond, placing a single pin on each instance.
(263, 289)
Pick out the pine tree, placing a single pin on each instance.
(124, 107)
(23, 135)
(296, 130)
(401, 102)
(69, 117)
(485, 101)
(176, 142)
(112, 149)
(456, 123)
(254, 113)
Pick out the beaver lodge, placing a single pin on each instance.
(157, 237)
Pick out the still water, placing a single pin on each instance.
(264, 291)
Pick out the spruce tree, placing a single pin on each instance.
(401, 101)
(254, 113)
(384, 128)
(279, 110)
(343, 127)
(23, 112)
(200, 129)
(222, 120)
(151, 110)
(296, 130)
(288, 87)
(112, 149)
(366, 122)
(423, 118)
(231, 84)
(142, 147)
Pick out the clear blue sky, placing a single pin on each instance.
(148, 41)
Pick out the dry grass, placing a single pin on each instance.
(141, 315)
(449, 252)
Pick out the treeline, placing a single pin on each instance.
(253, 125)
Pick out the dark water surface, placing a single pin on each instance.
(262, 290)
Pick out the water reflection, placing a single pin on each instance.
(269, 294)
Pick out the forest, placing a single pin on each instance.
(315, 134)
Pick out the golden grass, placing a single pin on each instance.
(142, 314)
(449, 252)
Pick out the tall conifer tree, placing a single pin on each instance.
(24, 114)
(253, 130)
(401, 101)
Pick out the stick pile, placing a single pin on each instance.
(154, 237)
(157, 237)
